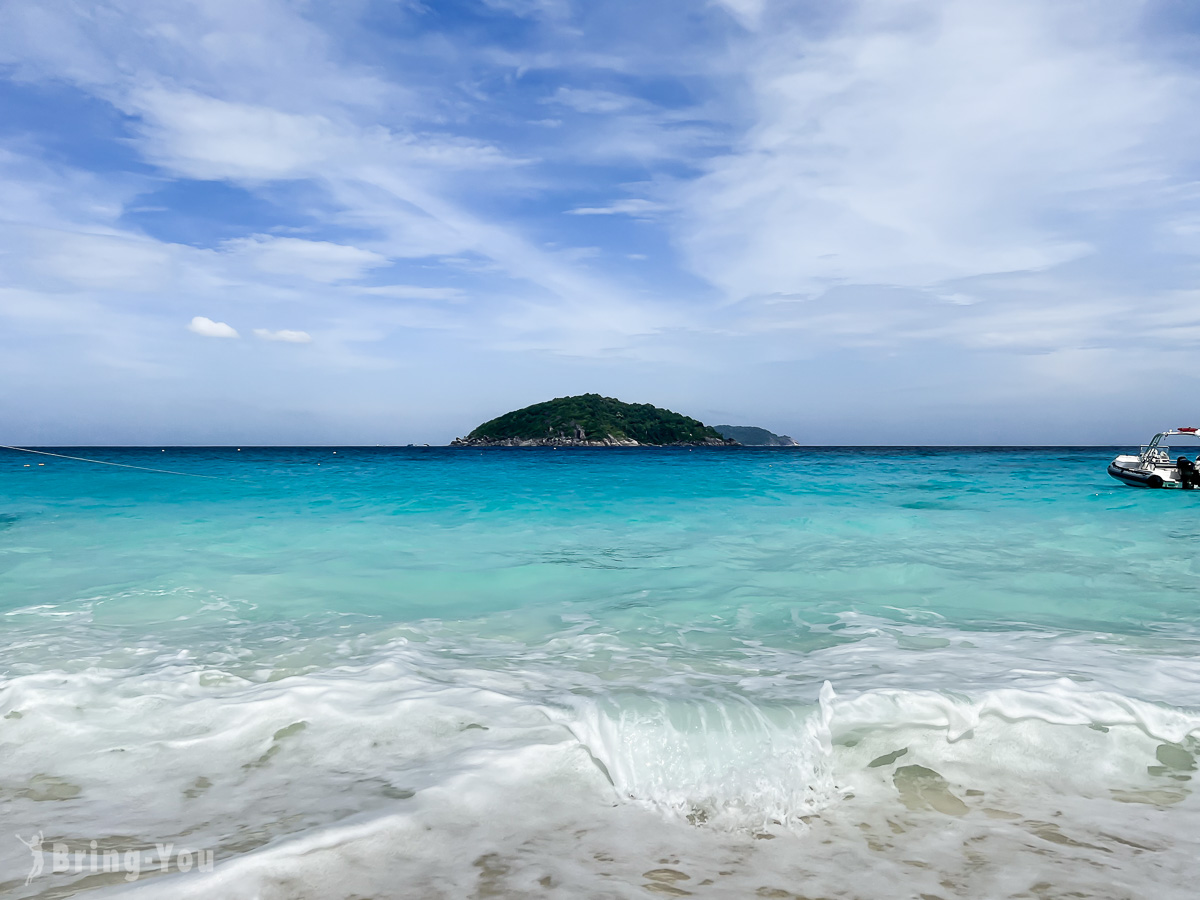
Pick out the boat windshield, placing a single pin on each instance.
(1159, 448)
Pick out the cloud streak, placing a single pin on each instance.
(284, 335)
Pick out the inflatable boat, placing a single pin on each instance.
(1155, 467)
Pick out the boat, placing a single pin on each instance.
(1154, 466)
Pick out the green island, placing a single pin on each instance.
(590, 420)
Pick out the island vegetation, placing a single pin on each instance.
(749, 436)
(590, 420)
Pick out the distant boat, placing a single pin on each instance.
(1154, 467)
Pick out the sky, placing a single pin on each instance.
(385, 221)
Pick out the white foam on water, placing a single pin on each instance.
(445, 767)
(726, 765)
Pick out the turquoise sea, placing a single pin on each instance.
(450, 673)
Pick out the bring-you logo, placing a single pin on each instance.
(95, 857)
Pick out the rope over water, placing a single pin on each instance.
(101, 462)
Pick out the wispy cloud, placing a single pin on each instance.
(633, 207)
(413, 292)
(320, 261)
(594, 101)
(919, 142)
(285, 335)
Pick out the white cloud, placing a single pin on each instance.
(289, 337)
(209, 138)
(633, 207)
(413, 292)
(916, 142)
(320, 261)
(747, 12)
(594, 101)
(554, 9)
(261, 96)
(40, 192)
(69, 257)
(206, 327)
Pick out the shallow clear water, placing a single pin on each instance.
(431, 672)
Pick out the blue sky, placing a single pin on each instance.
(380, 221)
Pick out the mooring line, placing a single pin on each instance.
(101, 462)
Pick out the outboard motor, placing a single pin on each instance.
(1187, 473)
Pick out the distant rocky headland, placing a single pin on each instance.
(749, 436)
(590, 420)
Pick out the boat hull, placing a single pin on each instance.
(1137, 477)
